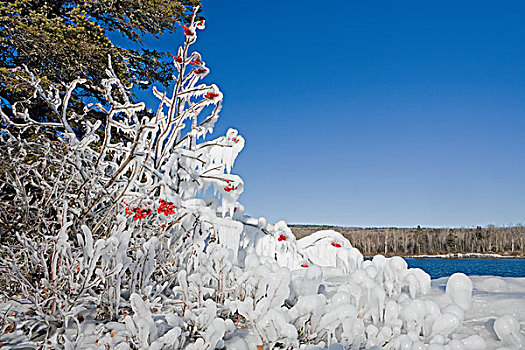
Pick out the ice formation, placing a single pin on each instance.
(300, 294)
(459, 289)
(507, 329)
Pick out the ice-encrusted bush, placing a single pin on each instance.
(97, 205)
(109, 245)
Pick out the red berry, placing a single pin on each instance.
(196, 61)
(187, 31)
(166, 208)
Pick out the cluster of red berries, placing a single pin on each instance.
(211, 95)
(235, 140)
(166, 208)
(282, 237)
(177, 59)
(138, 213)
(196, 61)
(337, 245)
(187, 31)
(200, 71)
(230, 188)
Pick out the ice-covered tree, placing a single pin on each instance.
(83, 213)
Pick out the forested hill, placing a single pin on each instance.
(419, 241)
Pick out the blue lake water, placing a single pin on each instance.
(437, 267)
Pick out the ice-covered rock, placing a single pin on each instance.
(445, 324)
(413, 315)
(507, 329)
(493, 285)
(330, 248)
(459, 289)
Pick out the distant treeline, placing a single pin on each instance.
(415, 241)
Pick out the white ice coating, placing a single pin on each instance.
(507, 329)
(459, 289)
(335, 297)
(224, 150)
(330, 248)
(396, 302)
(380, 303)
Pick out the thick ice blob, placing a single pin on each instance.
(507, 329)
(459, 289)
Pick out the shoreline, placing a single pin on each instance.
(424, 242)
(454, 256)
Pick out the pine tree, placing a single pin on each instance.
(60, 41)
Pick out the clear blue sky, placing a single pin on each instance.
(373, 113)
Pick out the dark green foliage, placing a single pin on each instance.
(451, 243)
(479, 232)
(63, 40)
